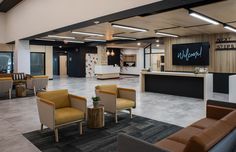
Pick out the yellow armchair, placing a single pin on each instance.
(115, 99)
(59, 108)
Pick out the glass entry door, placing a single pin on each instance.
(37, 63)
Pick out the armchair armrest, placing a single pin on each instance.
(46, 110)
(219, 109)
(108, 99)
(127, 94)
(80, 103)
(127, 143)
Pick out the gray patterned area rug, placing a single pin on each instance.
(104, 139)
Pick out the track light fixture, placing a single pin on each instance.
(129, 28)
(166, 34)
(203, 17)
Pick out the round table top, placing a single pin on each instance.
(98, 107)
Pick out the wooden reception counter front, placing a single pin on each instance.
(178, 83)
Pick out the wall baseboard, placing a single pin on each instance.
(130, 74)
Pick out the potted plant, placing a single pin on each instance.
(95, 101)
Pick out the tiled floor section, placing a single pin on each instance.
(18, 116)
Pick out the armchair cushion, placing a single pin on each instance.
(59, 97)
(67, 115)
(122, 103)
(109, 88)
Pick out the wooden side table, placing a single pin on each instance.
(96, 117)
(21, 90)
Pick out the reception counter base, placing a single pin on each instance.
(177, 83)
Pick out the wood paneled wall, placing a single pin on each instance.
(6, 47)
(220, 61)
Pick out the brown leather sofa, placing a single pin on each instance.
(215, 133)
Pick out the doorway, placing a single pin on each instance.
(63, 65)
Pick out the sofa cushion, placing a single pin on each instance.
(59, 97)
(209, 137)
(230, 118)
(170, 145)
(109, 88)
(204, 123)
(185, 134)
(66, 115)
(122, 103)
(218, 112)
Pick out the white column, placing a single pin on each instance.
(232, 88)
(22, 57)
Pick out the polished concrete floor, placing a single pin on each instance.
(19, 116)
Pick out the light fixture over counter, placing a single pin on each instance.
(88, 33)
(112, 53)
(129, 28)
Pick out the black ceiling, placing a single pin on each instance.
(6, 5)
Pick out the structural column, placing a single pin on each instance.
(22, 57)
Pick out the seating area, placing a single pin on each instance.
(213, 133)
(20, 83)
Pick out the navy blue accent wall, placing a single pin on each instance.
(76, 60)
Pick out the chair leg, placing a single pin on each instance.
(56, 135)
(80, 128)
(41, 127)
(34, 91)
(116, 118)
(130, 111)
(9, 93)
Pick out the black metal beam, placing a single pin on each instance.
(154, 8)
(6, 5)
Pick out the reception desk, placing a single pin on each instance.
(178, 83)
(107, 72)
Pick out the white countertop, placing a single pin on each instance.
(106, 69)
(183, 74)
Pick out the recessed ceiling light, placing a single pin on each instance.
(203, 17)
(129, 28)
(157, 41)
(95, 40)
(230, 28)
(66, 41)
(166, 34)
(123, 38)
(96, 22)
(87, 33)
(60, 46)
(39, 39)
(138, 43)
(158, 45)
(61, 37)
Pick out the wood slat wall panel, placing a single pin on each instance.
(220, 61)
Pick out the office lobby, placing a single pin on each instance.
(118, 76)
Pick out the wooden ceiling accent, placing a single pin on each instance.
(176, 21)
(6, 5)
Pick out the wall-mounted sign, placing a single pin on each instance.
(225, 44)
(191, 54)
